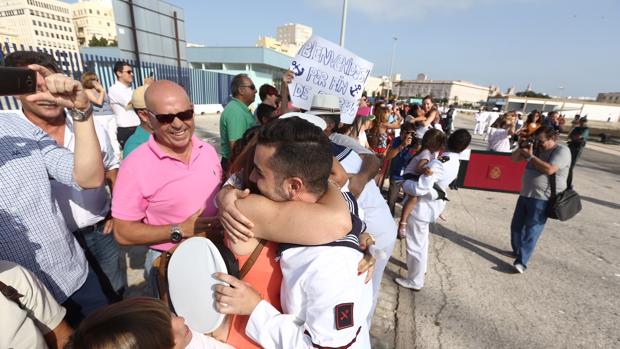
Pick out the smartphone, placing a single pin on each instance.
(17, 81)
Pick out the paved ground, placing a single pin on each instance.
(568, 298)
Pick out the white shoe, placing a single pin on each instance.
(406, 284)
(519, 268)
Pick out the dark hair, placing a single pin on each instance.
(25, 58)
(531, 116)
(132, 323)
(236, 83)
(333, 119)
(459, 140)
(301, 150)
(118, 66)
(264, 113)
(549, 132)
(433, 140)
(427, 97)
(407, 127)
(265, 90)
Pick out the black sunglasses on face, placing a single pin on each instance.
(169, 118)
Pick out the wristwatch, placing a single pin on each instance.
(176, 234)
(79, 115)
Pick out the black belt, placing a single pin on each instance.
(91, 228)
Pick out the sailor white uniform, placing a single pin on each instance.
(326, 302)
(426, 211)
(376, 215)
(492, 116)
(481, 118)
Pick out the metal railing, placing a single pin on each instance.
(203, 87)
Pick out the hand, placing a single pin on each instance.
(428, 171)
(59, 89)
(239, 298)
(526, 153)
(206, 224)
(356, 185)
(108, 226)
(188, 227)
(98, 87)
(366, 264)
(236, 225)
(288, 77)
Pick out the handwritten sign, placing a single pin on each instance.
(322, 67)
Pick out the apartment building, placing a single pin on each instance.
(93, 18)
(39, 23)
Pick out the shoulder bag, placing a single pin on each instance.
(563, 206)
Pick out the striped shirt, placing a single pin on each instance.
(33, 232)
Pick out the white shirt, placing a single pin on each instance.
(316, 282)
(420, 131)
(428, 207)
(499, 140)
(492, 117)
(82, 208)
(25, 328)
(120, 96)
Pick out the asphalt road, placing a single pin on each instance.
(568, 297)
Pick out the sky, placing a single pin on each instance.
(561, 47)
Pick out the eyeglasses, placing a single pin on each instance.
(250, 86)
(169, 118)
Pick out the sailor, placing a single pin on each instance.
(325, 300)
(431, 191)
(375, 211)
(481, 118)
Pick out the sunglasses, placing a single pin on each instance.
(169, 118)
(250, 86)
(128, 71)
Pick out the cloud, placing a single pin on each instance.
(387, 10)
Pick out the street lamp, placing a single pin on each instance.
(343, 23)
(392, 64)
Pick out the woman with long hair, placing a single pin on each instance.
(102, 112)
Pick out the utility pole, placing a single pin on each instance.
(392, 65)
(343, 23)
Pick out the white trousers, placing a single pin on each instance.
(417, 250)
(479, 128)
(108, 122)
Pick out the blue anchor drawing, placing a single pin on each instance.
(297, 70)
(353, 91)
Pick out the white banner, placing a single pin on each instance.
(322, 67)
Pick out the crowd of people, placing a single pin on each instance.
(295, 194)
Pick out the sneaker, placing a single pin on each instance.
(406, 284)
(519, 268)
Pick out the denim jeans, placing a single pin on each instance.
(107, 254)
(528, 222)
(86, 300)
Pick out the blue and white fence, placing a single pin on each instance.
(203, 87)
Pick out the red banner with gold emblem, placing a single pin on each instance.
(487, 170)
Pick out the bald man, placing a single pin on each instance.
(165, 188)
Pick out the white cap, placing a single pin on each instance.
(313, 119)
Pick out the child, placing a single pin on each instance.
(432, 142)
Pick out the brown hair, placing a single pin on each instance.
(433, 140)
(133, 323)
(87, 79)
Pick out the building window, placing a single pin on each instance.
(90, 11)
(34, 22)
(36, 32)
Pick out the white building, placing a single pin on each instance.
(455, 91)
(93, 18)
(39, 23)
(293, 34)
(569, 107)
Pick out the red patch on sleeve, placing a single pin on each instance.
(344, 315)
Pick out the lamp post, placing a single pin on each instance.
(343, 23)
(392, 65)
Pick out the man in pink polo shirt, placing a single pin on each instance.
(165, 188)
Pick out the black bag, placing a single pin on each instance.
(563, 206)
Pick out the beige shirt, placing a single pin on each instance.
(24, 328)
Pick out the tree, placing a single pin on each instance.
(94, 42)
(532, 94)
